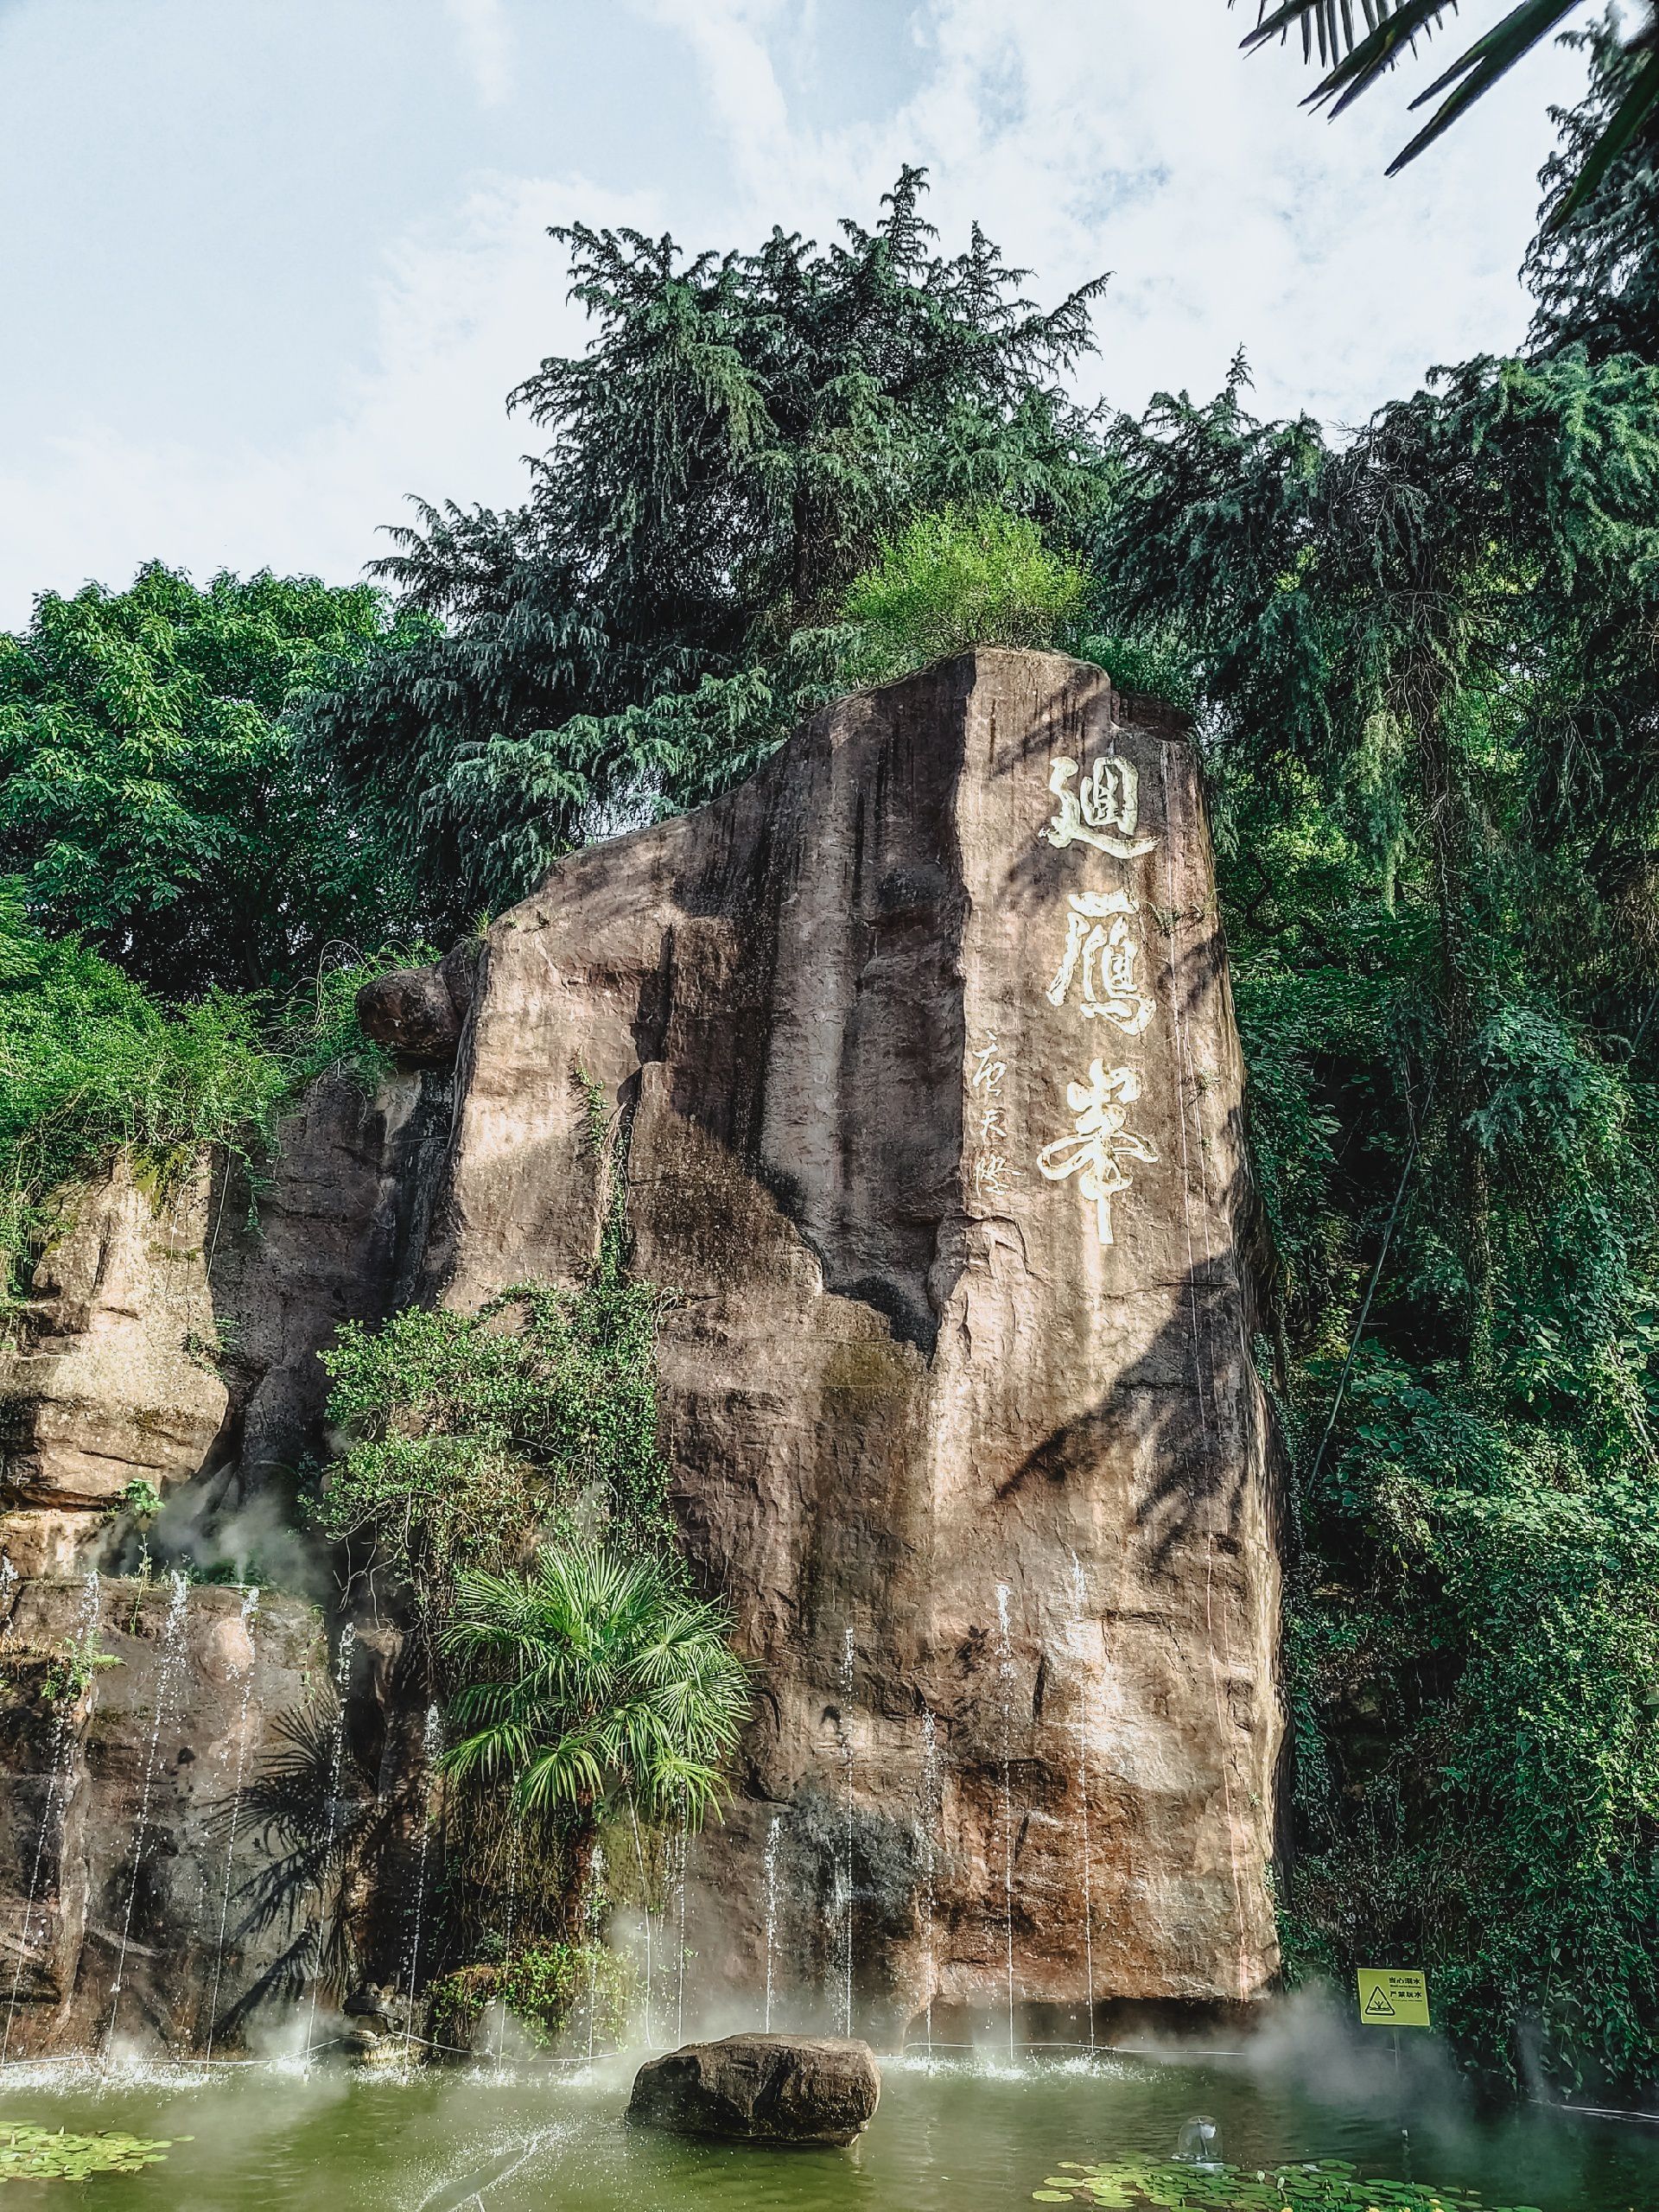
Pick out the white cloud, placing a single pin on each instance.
(1127, 135)
(729, 39)
(1132, 135)
(486, 46)
(463, 315)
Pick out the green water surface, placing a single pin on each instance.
(972, 2139)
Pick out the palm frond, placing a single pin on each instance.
(1353, 63)
(605, 1678)
(1478, 69)
(1330, 26)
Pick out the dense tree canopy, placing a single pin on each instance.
(151, 795)
(1424, 660)
(741, 434)
(1596, 280)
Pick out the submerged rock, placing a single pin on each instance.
(761, 2089)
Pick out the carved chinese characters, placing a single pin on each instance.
(1101, 953)
(1097, 975)
(992, 1167)
(1106, 802)
(1101, 1141)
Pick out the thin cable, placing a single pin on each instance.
(1370, 1291)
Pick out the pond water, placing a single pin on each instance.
(966, 2137)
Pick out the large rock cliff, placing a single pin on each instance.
(929, 1100)
(924, 1047)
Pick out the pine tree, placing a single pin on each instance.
(742, 434)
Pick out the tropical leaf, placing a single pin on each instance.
(1331, 27)
(1353, 63)
(1478, 69)
(599, 1678)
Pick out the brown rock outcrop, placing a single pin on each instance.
(167, 1338)
(761, 2089)
(418, 1013)
(110, 1380)
(341, 1225)
(128, 1714)
(925, 1049)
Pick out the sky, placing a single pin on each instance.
(269, 270)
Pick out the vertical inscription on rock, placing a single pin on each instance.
(1097, 974)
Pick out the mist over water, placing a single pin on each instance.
(969, 2136)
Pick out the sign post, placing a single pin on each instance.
(1394, 1998)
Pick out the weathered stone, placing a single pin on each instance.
(187, 1708)
(932, 1107)
(418, 1013)
(342, 1223)
(166, 1338)
(761, 2089)
(933, 1100)
(112, 1378)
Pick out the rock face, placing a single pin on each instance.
(761, 2089)
(119, 1857)
(111, 1380)
(924, 1048)
(339, 1234)
(929, 1101)
(169, 1342)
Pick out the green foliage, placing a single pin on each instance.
(594, 1681)
(1429, 730)
(471, 1433)
(1596, 280)
(30, 2153)
(70, 1672)
(92, 1065)
(952, 580)
(745, 431)
(541, 1986)
(152, 796)
(139, 1499)
(1355, 60)
(1311, 2186)
(1159, 667)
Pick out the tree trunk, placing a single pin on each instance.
(582, 1840)
(1449, 822)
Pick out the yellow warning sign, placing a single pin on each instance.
(1391, 1997)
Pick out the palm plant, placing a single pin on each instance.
(1352, 62)
(601, 1682)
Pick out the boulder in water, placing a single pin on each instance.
(761, 2089)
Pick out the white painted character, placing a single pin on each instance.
(1103, 811)
(1101, 952)
(1099, 1141)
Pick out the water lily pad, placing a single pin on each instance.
(1309, 2185)
(29, 2153)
